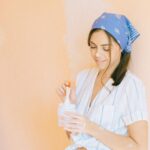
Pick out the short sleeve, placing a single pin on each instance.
(135, 108)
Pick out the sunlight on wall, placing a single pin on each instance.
(79, 17)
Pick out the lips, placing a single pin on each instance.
(100, 60)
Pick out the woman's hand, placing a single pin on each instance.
(61, 92)
(76, 123)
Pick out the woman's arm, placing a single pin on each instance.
(136, 140)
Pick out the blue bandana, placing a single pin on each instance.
(119, 27)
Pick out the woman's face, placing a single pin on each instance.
(100, 52)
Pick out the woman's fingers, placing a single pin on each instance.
(64, 86)
(61, 91)
(71, 124)
(67, 120)
(73, 95)
(73, 115)
(72, 128)
(61, 94)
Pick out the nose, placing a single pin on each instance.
(99, 53)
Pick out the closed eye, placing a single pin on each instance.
(93, 47)
(106, 48)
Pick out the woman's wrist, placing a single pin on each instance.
(95, 131)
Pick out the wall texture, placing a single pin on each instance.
(43, 43)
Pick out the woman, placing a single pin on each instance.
(111, 110)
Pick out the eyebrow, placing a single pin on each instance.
(101, 44)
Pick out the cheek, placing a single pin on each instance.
(93, 53)
(115, 57)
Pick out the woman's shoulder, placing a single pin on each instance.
(132, 77)
(133, 81)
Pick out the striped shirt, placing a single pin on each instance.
(113, 108)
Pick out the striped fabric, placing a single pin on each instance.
(133, 34)
(113, 108)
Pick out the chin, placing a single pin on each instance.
(101, 67)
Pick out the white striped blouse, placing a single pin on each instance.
(113, 108)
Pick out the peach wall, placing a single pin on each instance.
(33, 63)
(43, 43)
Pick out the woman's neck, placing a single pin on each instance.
(105, 74)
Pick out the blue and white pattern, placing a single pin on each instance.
(119, 27)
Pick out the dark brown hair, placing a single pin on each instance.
(120, 71)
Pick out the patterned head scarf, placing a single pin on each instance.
(119, 27)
